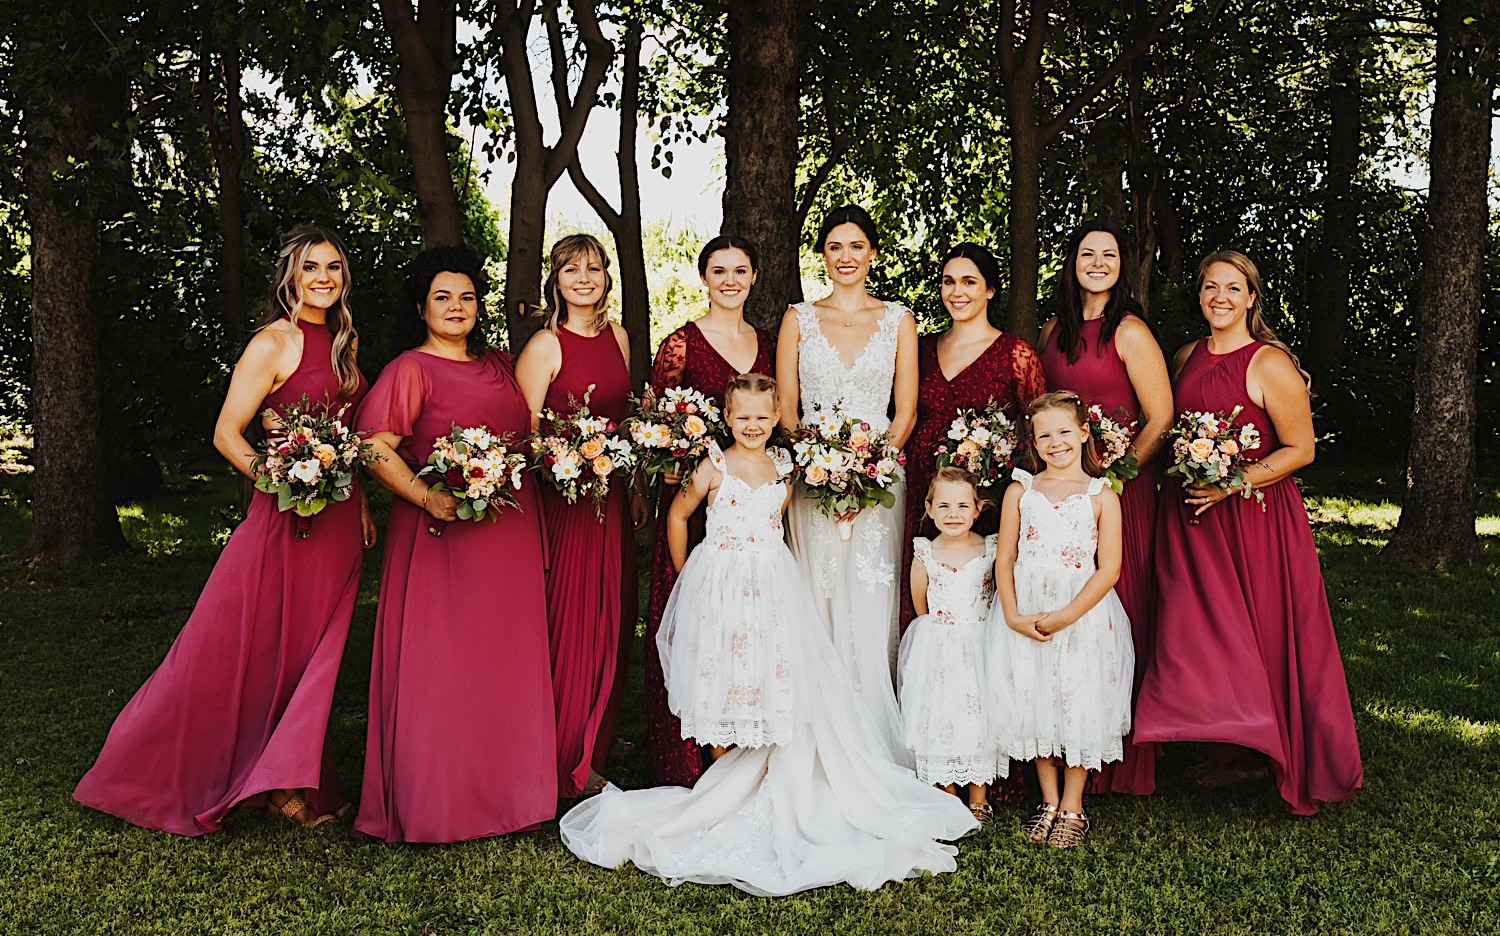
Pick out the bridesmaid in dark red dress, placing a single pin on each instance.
(238, 711)
(1245, 650)
(985, 364)
(460, 742)
(965, 367)
(701, 355)
(590, 562)
(1099, 348)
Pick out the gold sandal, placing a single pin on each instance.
(1039, 826)
(1069, 829)
(983, 812)
(293, 805)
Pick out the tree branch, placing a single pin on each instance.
(598, 55)
(593, 196)
(836, 150)
(1080, 100)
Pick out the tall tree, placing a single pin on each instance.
(760, 149)
(624, 223)
(66, 86)
(1031, 129)
(425, 47)
(1437, 514)
(223, 107)
(538, 165)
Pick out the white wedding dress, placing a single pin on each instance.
(855, 580)
(827, 804)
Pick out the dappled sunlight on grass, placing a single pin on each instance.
(158, 533)
(1427, 720)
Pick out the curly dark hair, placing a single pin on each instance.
(419, 276)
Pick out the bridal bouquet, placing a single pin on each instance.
(983, 442)
(310, 461)
(478, 468)
(1208, 451)
(1113, 440)
(846, 464)
(578, 453)
(671, 432)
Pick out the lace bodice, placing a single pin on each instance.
(958, 594)
(1061, 535)
(744, 517)
(863, 389)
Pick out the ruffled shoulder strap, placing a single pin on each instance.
(782, 459)
(1096, 485)
(1023, 476)
(807, 316)
(921, 547)
(991, 545)
(716, 457)
(894, 313)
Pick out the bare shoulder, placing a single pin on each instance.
(1047, 329)
(619, 331)
(1274, 367)
(1183, 353)
(543, 343)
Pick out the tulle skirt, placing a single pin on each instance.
(944, 704)
(1068, 697)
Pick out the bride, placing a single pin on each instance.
(860, 353)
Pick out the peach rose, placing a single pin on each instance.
(592, 448)
(603, 465)
(1201, 449)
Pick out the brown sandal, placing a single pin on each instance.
(1222, 778)
(1069, 829)
(983, 812)
(294, 805)
(1039, 826)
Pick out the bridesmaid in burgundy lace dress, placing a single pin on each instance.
(1245, 650)
(701, 355)
(1099, 348)
(590, 563)
(985, 364)
(238, 711)
(460, 742)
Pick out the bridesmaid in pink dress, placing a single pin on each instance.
(986, 364)
(238, 711)
(590, 563)
(701, 355)
(460, 739)
(1245, 651)
(1099, 348)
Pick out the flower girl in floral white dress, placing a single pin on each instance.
(803, 791)
(944, 707)
(1061, 664)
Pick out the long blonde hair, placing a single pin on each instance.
(575, 247)
(1255, 320)
(285, 300)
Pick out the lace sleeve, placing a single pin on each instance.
(1026, 371)
(671, 361)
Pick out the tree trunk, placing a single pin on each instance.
(227, 141)
(635, 296)
(424, 78)
(1437, 514)
(524, 248)
(760, 150)
(1025, 210)
(1339, 239)
(72, 517)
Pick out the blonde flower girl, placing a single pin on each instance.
(1061, 658)
(942, 674)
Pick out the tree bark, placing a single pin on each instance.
(72, 517)
(1437, 514)
(760, 150)
(1339, 239)
(227, 140)
(425, 52)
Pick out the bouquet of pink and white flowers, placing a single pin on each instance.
(578, 453)
(671, 432)
(478, 468)
(1113, 440)
(1208, 451)
(981, 441)
(309, 462)
(846, 464)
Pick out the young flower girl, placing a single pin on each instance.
(942, 673)
(803, 791)
(1060, 667)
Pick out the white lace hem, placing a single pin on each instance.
(960, 771)
(744, 733)
(1090, 756)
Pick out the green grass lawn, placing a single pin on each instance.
(1415, 852)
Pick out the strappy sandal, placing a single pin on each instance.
(292, 806)
(1199, 769)
(983, 812)
(1039, 826)
(594, 787)
(1222, 778)
(1069, 829)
